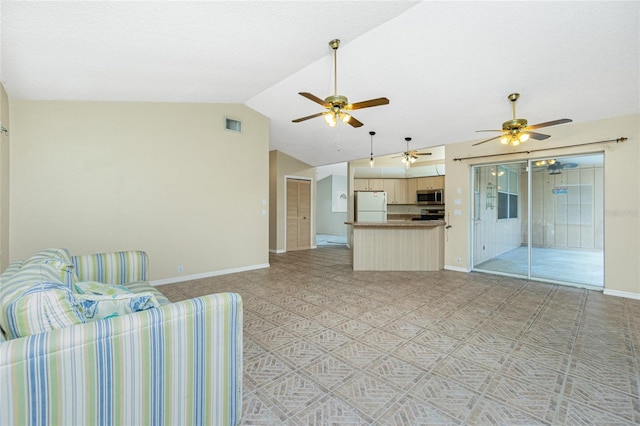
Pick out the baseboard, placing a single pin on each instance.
(277, 251)
(455, 268)
(625, 294)
(208, 274)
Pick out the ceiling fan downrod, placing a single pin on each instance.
(334, 45)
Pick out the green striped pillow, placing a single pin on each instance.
(58, 258)
(42, 307)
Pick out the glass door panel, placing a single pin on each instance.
(500, 219)
(567, 237)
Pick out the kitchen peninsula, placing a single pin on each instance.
(398, 245)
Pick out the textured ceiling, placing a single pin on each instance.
(447, 67)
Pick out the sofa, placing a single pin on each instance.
(70, 355)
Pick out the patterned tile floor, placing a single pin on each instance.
(324, 345)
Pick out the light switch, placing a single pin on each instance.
(457, 201)
(457, 212)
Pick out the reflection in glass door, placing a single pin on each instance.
(567, 222)
(558, 236)
(500, 219)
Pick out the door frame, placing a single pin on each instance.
(312, 206)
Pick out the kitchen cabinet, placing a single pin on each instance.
(396, 190)
(399, 191)
(431, 182)
(389, 187)
(412, 187)
(368, 185)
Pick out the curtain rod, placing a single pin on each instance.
(618, 140)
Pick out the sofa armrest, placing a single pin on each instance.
(177, 364)
(120, 267)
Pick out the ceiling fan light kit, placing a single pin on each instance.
(337, 105)
(517, 130)
(410, 157)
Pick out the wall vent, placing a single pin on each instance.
(233, 125)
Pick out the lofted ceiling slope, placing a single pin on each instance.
(447, 67)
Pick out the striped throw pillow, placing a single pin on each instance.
(42, 307)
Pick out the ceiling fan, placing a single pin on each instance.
(337, 105)
(554, 166)
(410, 157)
(517, 130)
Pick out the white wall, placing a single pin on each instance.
(330, 222)
(164, 178)
(4, 180)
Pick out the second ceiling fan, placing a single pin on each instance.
(338, 105)
(410, 156)
(517, 130)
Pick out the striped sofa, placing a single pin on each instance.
(178, 363)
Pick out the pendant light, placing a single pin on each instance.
(371, 155)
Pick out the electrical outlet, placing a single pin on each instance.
(458, 260)
(180, 268)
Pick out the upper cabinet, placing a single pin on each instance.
(368, 185)
(431, 182)
(396, 190)
(412, 188)
(399, 191)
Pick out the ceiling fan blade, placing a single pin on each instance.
(537, 136)
(367, 104)
(354, 122)
(315, 99)
(569, 165)
(549, 123)
(308, 117)
(423, 153)
(487, 140)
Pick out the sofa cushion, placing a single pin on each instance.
(52, 253)
(60, 259)
(42, 307)
(102, 289)
(27, 276)
(99, 301)
(144, 287)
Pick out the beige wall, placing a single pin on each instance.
(283, 166)
(160, 177)
(621, 189)
(4, 181)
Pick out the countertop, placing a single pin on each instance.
(399, 224)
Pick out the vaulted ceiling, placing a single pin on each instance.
(447, 67)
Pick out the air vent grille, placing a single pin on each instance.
(233, 125)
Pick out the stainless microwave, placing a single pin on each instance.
(430, 196)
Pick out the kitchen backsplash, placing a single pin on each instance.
(405, 209)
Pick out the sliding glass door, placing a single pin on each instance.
(541, 219)
(567, 222)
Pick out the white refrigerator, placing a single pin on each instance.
(371, 206)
